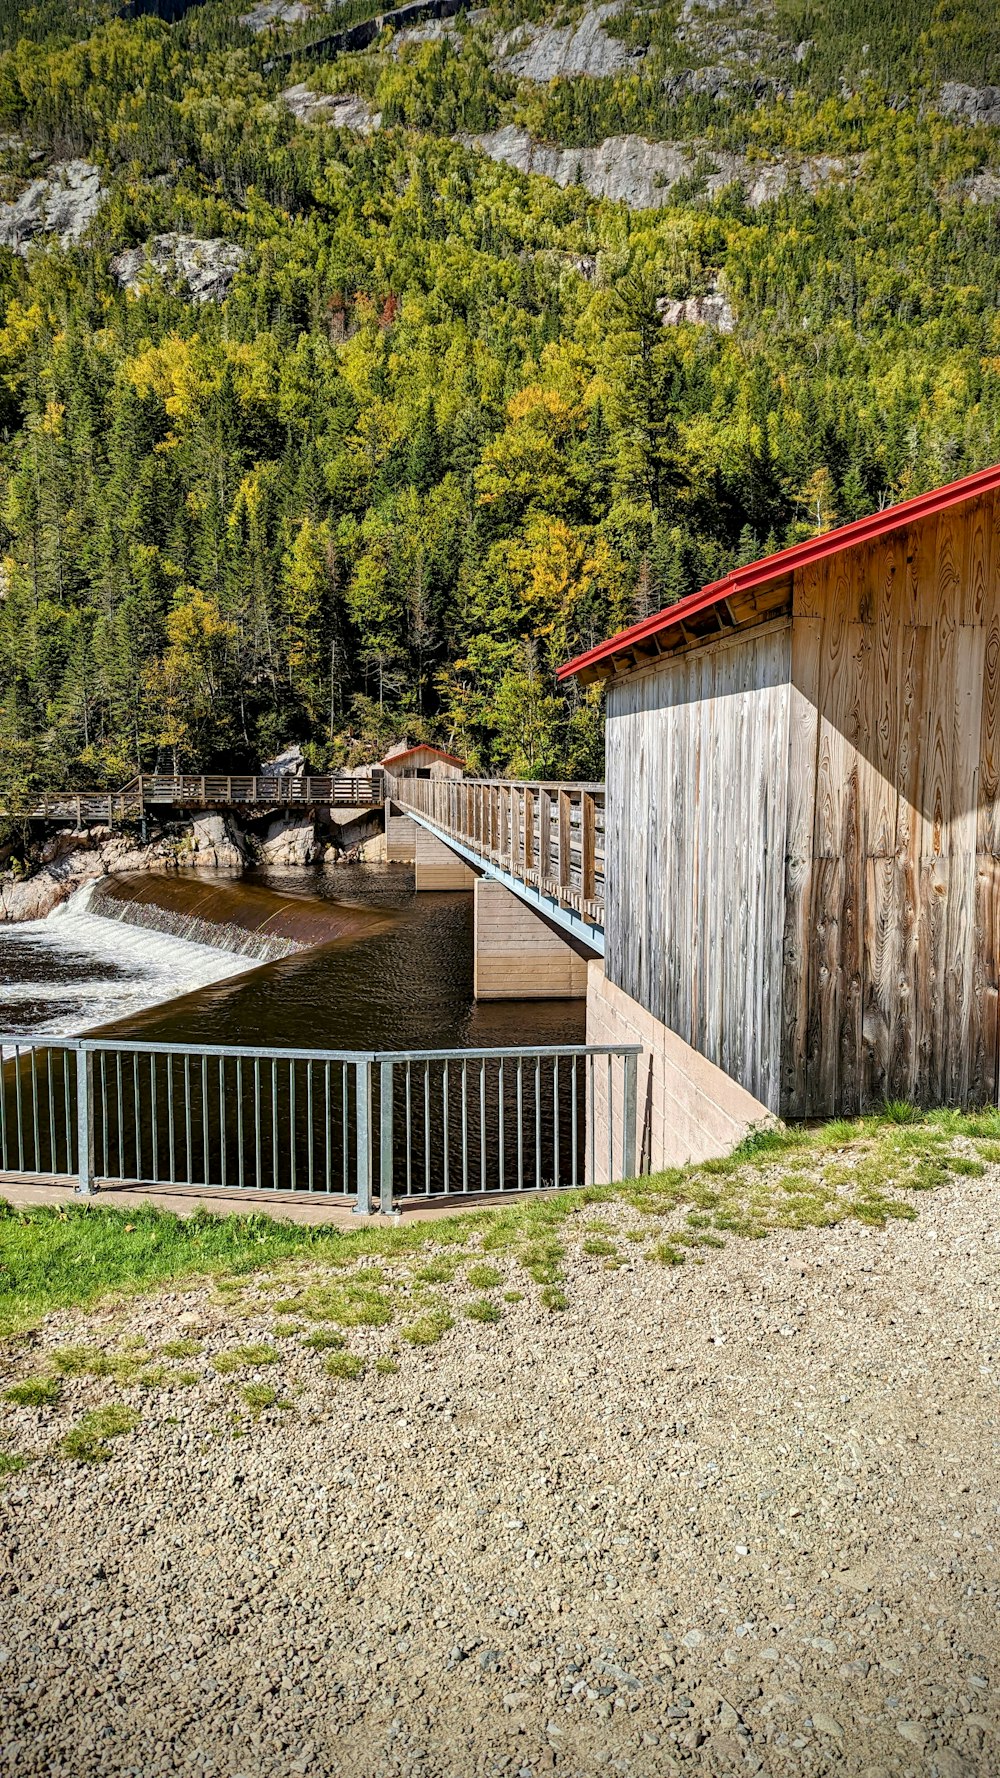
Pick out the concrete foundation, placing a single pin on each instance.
(518, 955)
(437, 866)
(687, 1109)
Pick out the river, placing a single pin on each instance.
(381, 967)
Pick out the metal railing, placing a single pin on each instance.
(203, 790)
(379, 1128)
(549, 836)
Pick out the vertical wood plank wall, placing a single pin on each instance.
(890, 979)
(695, 847)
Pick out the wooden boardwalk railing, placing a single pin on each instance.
(548, 836)
(199, 790)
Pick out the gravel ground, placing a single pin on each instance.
(723, 1517)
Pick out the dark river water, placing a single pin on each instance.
(385, 968)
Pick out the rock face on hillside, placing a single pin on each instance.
(712, 310)
(557, 52)
(275, 12)
(643, 174)
(63, 203)
(206, 268)
(344, 111)
(977, 104)
(289, 840)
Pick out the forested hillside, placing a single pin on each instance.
(321, 420)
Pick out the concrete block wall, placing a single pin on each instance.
(687, 1109)
(517, 954)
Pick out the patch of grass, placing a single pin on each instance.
(81, 1361)
(597, 1245)
(428, 1328)
(513, 1296)
(439, 1270)
(241, 1358)
(344, 1364)
(358, 1301)
(12, 1463)
(156, 1377)
(959, 1163)
(181, 1349)
(35, 1392)
(325, 1339)
(286, 1330)
(482, 1310)
(483, 1277)
(87, 1441)
(386, 1366)
(900, 1111)
(184, 1379)
(553, 1298)
(258, 1396)
(668, 1254)
(989, 1150)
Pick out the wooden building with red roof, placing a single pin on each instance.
(803, 812)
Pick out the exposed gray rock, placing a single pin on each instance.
(712, 310)
(554, 52)
(275, 12)
(344, 111)
(977, 104)
(290, 840)
(719, 82)
(63, 203)
(433, 31)
(215, 843)
(67, 861)
(643, 174)
(205, 267)
(981, 188)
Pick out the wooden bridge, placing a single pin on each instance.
(546, 841)
(157, 792)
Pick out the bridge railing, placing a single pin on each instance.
(550, 836)
(159, 790)
(376, 1128)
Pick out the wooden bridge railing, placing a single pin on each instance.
(199, 790)
(549, 836)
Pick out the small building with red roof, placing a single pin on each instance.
(802, 845)
(422, 761)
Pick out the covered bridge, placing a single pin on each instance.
(803, 815)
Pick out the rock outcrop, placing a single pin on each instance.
(68, 861)
(205, 268)
(976, 104)
(711, 310)
(558, 52)
(643, 174)
(276, 12)
(289, 841)
(62, 203)
(344, 111)
(214, 843)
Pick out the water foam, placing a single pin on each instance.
(77, 968)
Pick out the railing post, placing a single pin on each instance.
(363, 1112)
(386, 1072)
(588, 846)
(84, 1121)
(628, 1116)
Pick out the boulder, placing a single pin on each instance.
(289, 841)
(976, 104)
(215, 844)
(63, 203)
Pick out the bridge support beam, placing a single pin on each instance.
(518, 955)
(436, 866)
(400, 838)
(686, 1108)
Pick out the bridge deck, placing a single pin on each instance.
(547, 837)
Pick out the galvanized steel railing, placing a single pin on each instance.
(549, 836)
(375, 1127)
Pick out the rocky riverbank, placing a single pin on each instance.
(61, 863)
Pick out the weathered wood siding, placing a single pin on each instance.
(697, 775)
(891, 883)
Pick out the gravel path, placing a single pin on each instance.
(716, 1518)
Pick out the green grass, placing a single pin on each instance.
(344, 1364)
(35, 1392)
(11, 1463)
(483, 1277)
(481, 1309)
(181, 1349)
(258, 1396)
(326, 1339)
(242, 1358)
(428, 1328)
(87, 1441)
(386, 1366)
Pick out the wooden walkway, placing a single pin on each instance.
(156, 793)
(550, 837)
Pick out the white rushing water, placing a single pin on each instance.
(74, 970)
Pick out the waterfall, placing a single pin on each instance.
(261, 947)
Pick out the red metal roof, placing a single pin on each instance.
(800, 555)
(392, 759)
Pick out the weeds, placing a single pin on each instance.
(482, 1310)
(258, 1396)
(87, 1441)
(181, 1349)
(428, 1328)
(344, 1364)
(11, 1463)
(241, 1358)
(35, 1392)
